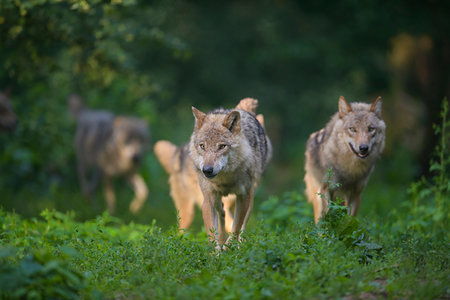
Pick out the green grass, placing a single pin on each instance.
(55, 256)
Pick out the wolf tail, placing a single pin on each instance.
(250, 105)
(167, 153)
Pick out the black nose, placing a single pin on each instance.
(208, 171)
(136, 158)
(363, 149)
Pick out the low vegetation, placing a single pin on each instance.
(402, 255)
(56, 257)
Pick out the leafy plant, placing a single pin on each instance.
(280, 213)
(40, 275)
(429, 208)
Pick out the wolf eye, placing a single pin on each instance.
(352, 129)
(222, 146)
(371, 129)
(202, 146)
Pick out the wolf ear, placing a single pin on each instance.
(344, 107)
(233, 121)
(75, 103)
(199, 117)
(376, 107)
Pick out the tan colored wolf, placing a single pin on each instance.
(184, 187)
(230, 150)
(349, 145)
(110, 146)
(8, 120)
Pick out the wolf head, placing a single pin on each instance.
(130, 136)
(8, 120)
(363, 127)
(75, 104)
(214, 140)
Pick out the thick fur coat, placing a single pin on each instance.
(349, 145)
(230, 151)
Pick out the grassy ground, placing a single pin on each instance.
(284, 255)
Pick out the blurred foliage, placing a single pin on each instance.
(157, 59)
(39, 276)
(430, 196)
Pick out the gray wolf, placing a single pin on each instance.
(8, 120)
(110, 146)
(230, 150)
(349, 145)
(183, 179)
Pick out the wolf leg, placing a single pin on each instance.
(228, 203)
(183, 203)
(353, 204)
(249, 211)
(186, 213)
(214, 218)
(81, 168)
(140, 193)
(109, 195)
(321, 203)
(318, 197)
(244, 205)
(312, 193)
(93, 184)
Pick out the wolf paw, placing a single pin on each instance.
(135, 206)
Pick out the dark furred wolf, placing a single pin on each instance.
(111, 146)
(230, 151)
(184, 187)
(8, 120)
(349, 144)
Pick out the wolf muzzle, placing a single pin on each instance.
(208, 171)
(363, 150)
(136, 158)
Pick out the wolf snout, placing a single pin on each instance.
(136, 158)
(208, 171)
(363, 149)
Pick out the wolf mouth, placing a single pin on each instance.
(357, 153)
(210, 176)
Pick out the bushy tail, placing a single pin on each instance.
(165, 152)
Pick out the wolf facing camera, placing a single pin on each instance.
(349, 145)
(184, 187)
(230, 151)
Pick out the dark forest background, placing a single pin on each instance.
(156, 59)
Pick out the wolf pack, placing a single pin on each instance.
(220, 167)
